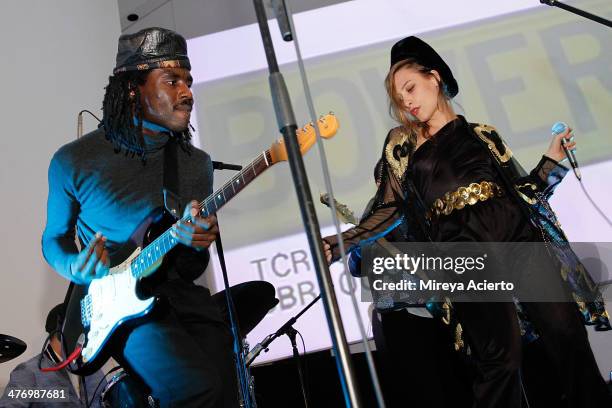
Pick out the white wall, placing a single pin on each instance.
(56, 59)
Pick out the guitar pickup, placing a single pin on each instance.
(86, 311)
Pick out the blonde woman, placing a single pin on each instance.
(432, 155)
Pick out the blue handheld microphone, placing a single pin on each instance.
(557, 129)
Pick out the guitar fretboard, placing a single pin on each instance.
(153, 253)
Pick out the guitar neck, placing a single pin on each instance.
(143, 264)
(219, 198)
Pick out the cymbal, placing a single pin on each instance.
(252, 301)
(10, 347)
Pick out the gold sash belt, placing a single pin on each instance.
(456, 200)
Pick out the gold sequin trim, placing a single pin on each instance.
(525, 197)
(459, 344)
(398, 138)
(484, 132)
(446, 318)
(470, 195)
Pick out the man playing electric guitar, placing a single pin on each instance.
(110, 180)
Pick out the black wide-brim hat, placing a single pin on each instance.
(419, 51)
(151, 48)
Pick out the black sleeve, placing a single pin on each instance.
(544, 178)
(379, 221)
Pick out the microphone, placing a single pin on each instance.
(280, 11)
(557, 129)
(258, 349)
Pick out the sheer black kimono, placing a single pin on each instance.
(464, 185)
(462, 153)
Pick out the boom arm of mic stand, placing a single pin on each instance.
(572, 9)
(284, 329)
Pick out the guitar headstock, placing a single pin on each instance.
(328, 126)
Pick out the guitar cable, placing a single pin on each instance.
(63, 364)
(60, 365)
(304, 366)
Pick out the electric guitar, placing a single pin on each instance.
(96, 311)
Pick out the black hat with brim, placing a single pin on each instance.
(151, 48)
(413, 48)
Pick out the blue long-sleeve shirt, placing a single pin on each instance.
(95, 189)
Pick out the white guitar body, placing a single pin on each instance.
(109, 302)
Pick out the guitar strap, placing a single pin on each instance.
(172, 198)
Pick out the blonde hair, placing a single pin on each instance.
(396, 105)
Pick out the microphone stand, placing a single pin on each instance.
(577, 11)
(263, 346)
(287, 125)
(291, 333)
(287, 329)
(246, 389)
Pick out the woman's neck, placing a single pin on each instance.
(440, 118)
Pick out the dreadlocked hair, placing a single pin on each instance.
(120, 106)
